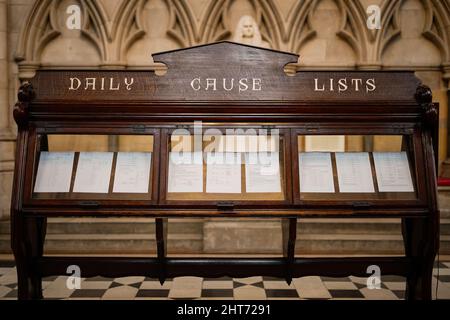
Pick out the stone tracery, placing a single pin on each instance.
(113, 36)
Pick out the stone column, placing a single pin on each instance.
(7, 137)
(445, 172)
(448, 108)
(4, 122)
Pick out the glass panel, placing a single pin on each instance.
(356, 168)
(244, 167)
(93, 167)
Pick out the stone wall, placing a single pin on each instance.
(329, 34)
(12, 17)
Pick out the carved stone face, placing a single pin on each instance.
(248, 29)
(247, 32)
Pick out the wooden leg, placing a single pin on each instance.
(37, 229)
(421, 239)
(27, 238)
(19, 248)
(23, 283)
(289, 232)
(161, 246)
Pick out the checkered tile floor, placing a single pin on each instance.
(259, 288)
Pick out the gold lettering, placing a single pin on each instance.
(211, 82)
(370, 85)
(225, 84)
(90, 82)
(72, 84)
(195, 84)
(316, 86)
(342, 84)
(243, 86)
(129, 84)
(257, 84)
(356, 83)
(111, 85)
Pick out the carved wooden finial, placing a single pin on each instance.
(424, 94)
(26, 92)
(25, 95)
(424, 97)
(431, 115)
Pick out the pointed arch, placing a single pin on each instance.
(41, 28)
(95, 26)
(270, 22)
(390, 27)
(436, 26)
(213, 24)
(112, 38)
(359, 35)
(182, 25)
(351, 26)
(128, 26)
(299, 21)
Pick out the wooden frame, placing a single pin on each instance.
(237, 204)
(311, 102)
(367, 200)
(105, 201)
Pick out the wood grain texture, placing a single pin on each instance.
(218, 61)
(156, 105)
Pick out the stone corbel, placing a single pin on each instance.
(27, 69)
(446, 76)
(369, 66)
(21, 109)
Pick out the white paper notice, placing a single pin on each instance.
(316, 172)
(247, 143)
(262, 172)
(93, 172)
(132, 172)
(54, 172)
(393, 173)
(223, 173)
(185, 172)
(354, 172)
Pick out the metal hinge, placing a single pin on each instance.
(139, 128)
(50, 129)
(225, 206)
(89, 204)
(361, 204)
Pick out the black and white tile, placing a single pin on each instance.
(253, 288)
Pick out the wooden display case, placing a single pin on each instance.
(103, 143)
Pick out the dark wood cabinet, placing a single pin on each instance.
(237, 93)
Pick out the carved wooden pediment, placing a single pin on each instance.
(225, 71)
